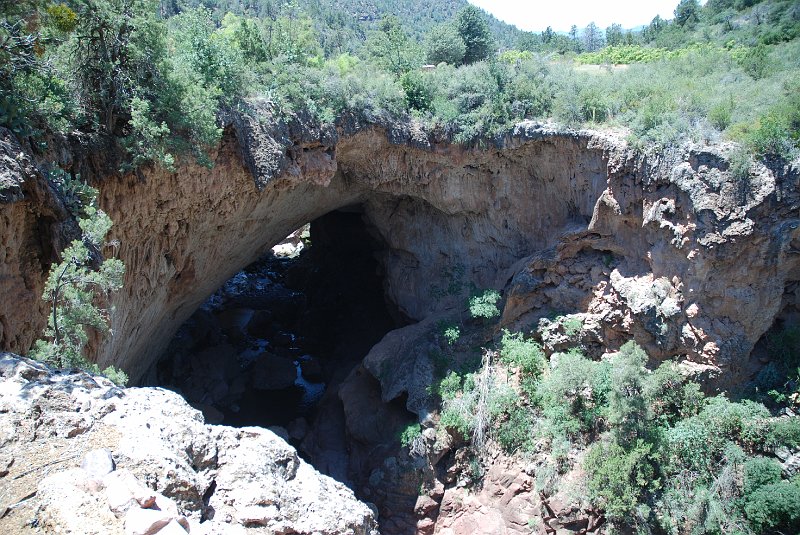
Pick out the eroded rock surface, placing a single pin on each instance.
(170, 471)
(669, 248)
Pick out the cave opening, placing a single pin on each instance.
(271, 346)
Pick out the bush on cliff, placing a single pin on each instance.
(75, 289)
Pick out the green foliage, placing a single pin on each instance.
(419, 95)
(526, 355)
(450, 331)
(687, 13)
(755, 61)
(572, 325)
(74, 289)
(445, 45)
(450, 386)
(62, 18)
(471, 408)
(774, 508)
(574, 394)
(516, 432)
(671, 397)
(628, 410)
(484, 304)
(77, 195)
(740, 163)
(474, 31)
(391, 48)
(760, 471)
(618, 477)
(411, 433)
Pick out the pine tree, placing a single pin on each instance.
(474, 30)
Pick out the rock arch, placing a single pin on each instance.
(669, 249)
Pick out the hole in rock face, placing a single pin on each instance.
(774, 364)
(264, 349)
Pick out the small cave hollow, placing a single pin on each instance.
(774, 364)
(266, 347)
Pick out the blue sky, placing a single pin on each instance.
(536, 15)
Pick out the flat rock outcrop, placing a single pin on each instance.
(83, 456)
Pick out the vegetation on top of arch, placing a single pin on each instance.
(156, 78)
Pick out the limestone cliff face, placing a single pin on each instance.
(34, 227)
(668, 249)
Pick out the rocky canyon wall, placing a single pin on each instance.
(669, 249)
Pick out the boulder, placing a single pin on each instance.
(261, 324)
(312, 369)
(271, 372)
(98, 463)
(171, 468)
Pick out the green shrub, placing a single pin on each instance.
(740, 162)
(515, 433)
(618, 478)
(670, 395)
(419, 95)
(755, 61)
(484, 305)
(572, 326)
(627, 409)
(690, 447)
(526, 355)
(410, 434)
(574, 394)
(456, 417)
(450, 386)
(747, 423)
(783, 432)
(450, 331)
(760, 471)
(719, 115)
(774, 508)
(75, 289)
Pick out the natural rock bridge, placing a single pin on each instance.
(668, 249)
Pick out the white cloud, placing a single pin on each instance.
(536, 15)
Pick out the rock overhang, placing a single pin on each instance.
(492, 210)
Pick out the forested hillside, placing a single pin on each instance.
(342, 25)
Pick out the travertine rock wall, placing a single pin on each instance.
(669, 249)
(34, 226)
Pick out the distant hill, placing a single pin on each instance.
(343, 24)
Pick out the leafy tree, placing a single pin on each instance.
(592, 38)
(77, 285)
(628, 411)
(573, 37)
(755, 61)
(774, 508)
(614, 35)
(445, 45)
(530, 41)
(29, 92)
(758, 472)
(418, 93)
(391, 48)
(652, 30)
(687, 13)
(484, 304)
(618, 477)
(474, 30)
(116, 54)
